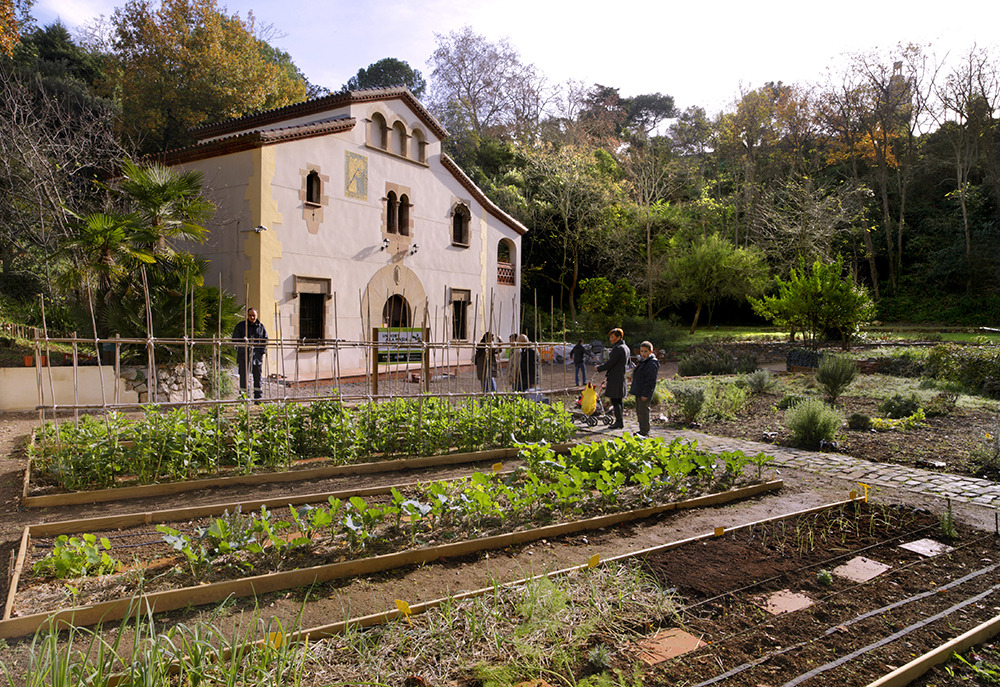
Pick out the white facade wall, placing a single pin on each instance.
(341, 240)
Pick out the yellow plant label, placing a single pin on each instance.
(719, 531)
(594, 560)
(404, 608)
(866, 488)
(276, 639)
(497, 467)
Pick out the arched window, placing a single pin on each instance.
(396, 312)
(399, 139)
(504, 251)
(418, 146)
(506, 258)
(460, 219)
(314, 188)
(391, 212)
(404, 215)
(379, 132)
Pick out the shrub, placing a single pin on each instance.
(974, 368)
(787, 401)
(859, 421)
(941, 404)
(723, 401)
(898, 406)
(835, 373)
(985, 456)
(689, 400)
(812, 421)
(746, 363)
(706, 361)
(802, 357)
(902, 364)
(759, 381)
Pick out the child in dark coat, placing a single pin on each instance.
(644, 384)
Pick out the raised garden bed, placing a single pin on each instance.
(634, 479)
(852, 633)
(187, 444)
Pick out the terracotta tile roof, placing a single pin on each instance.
(481, 197)
(248, 140)
(315, 105)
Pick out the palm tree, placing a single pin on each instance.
(168, 206)
(104, 251)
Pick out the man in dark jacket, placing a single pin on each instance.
(615, 365)
(578, 353)
(250, 334)
(644, 384)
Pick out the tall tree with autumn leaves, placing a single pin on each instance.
(186, 63)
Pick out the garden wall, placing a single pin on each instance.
(19, 387)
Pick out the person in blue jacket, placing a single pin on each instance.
(250, 337)
(644, 384)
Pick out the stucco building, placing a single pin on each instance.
(341, 214)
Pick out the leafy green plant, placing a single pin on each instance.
(195, 554)
(811, 421)
(824, 578)
(787, 401)
(898, 406)
(948, 529)
(78, 557)
(880, 424)
(835, 374)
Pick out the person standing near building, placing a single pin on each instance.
(615, 366)
(250, 337)
(644, 384)
(526, 364)
(487, 361)
(578, 353)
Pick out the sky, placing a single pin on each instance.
(700, 53)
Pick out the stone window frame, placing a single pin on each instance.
(460, 296)
(461, 212)
(393, 213)
(320, 286)
(313, 211)
(390, 134)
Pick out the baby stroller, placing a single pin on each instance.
(599, 413)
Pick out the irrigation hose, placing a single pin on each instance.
(831, 595)
(775, 578)
(859, 618)
(891, 638)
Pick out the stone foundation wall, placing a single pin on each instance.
(175, 384)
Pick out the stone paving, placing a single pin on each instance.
(981, 492)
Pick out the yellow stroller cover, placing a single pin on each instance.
(588, 400)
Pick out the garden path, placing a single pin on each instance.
(972, 490)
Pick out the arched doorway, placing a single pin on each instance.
(396, 312)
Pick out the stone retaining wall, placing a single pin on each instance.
(175, 383)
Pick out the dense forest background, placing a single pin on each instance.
(636, 207)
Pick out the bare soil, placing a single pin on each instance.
(942, 443)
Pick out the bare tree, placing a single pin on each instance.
(487, 82)
(969, 96)
(651, 178)
(51, 151)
